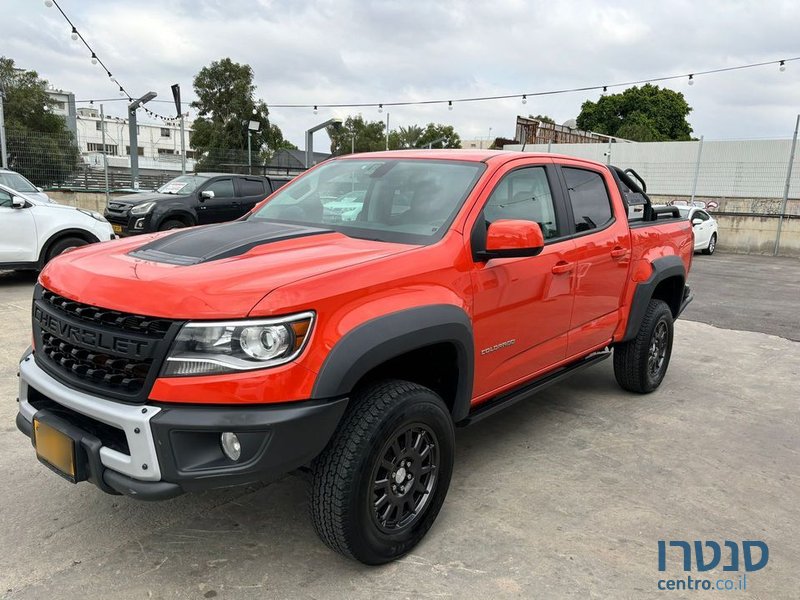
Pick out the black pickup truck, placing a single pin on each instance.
(191, 199)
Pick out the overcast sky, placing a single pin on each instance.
(327, 51)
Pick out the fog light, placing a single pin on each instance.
(230, 445)
(139, 224)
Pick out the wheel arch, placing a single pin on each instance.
(666, 282)
(403, 344)
(183, 215)
(88, 236)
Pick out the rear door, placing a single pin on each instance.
(603, 254)
(703, 230)
(522, 306)
(221, 207)
(250, 191)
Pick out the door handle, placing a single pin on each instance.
(563, 267)
(619, 252)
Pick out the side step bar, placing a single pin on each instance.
(530, 389)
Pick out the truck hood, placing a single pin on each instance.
(212, 272)
(128, 200)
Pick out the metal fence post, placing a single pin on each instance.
(786, 187)
(105, 158)
(697, 169)
(3, 153)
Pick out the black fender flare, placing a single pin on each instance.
(181, 214)
(380, 339)
(663, 268)
(73, 232)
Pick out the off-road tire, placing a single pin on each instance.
(64, 244)
(345, 475)
(634, 360)
(171, 224)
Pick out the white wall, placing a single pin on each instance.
(735, 168)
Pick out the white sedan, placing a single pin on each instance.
(704, 226)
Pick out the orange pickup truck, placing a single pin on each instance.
(346, 325)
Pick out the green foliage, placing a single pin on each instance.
(643, 114)
(225, 105)
(359, 135)
(39, 144)
(542, 118)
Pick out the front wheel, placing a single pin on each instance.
(712, 244)
(379, 484)
(641, 363)
(64, 244)
(171, 224)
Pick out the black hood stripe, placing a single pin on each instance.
(214, 242)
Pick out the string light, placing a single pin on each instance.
(94, 58)
(524, 98)
(691, 79)
(782, 66)
(380, 108)
(316, 110)
(74, 34)
(48, 3)
(449, 105)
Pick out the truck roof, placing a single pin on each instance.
(473, 155)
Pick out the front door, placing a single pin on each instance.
(219, 208)
(522, 306)
(603, 257)
(18, 240)
(703, 230)
(251, 191)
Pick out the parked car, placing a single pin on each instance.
(33, 231)
(236, 352)
(197, 199)
(704, 226)
(20, 184)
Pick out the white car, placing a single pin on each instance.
(705, 228)
(33, 231)
(18, 183)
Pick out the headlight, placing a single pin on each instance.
(231, 346)
(143, 208)
(93, 214)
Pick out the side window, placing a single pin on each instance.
(591, 206)
(222, 188)
(251, 187)
(699, 214)
(524, 194)
(5, 199)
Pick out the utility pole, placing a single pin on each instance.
(786, 187)
(387, 130)
(176, 95)
(3, 153)
(133, 134)
(105, 159)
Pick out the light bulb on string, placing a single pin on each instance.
(94, 58)
(380, 108)
(605, 89)
(449, 105)
(782, 66)
(691, 79)
(315, 110)
(74, 34)
(121, 92)
(524, 98)
(48, 3)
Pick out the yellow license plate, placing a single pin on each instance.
(116, 228)
(55, 449)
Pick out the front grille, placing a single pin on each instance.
(104, 351)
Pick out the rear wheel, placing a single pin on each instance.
(641, 363)
(171, 224)
(379, 484)
(64, 244)
(712, 244)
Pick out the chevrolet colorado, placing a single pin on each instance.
(237, 352)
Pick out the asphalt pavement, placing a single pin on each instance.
(564, 496)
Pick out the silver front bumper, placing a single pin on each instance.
(134, 420)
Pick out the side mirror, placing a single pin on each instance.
(17, 202)
(697, 221)
(206, 194)
(512, 239)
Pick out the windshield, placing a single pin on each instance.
(392, 200)
(183, 185)
(17, 182)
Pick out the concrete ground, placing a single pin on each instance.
(565, 496)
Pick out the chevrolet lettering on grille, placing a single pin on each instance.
(92, 338)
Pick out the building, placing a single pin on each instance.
(65, 107)
(535, 131)
(158, 145)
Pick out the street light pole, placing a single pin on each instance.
(133, 135)
(105, 158)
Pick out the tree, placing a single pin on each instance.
(405, 137)
(225, 105)
(433, 134)
(643, 114)
(543, 118)
(39, 144)
(358, 135)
